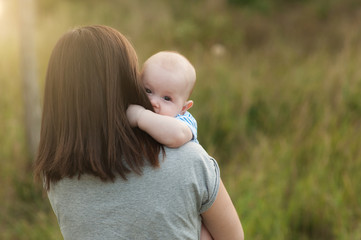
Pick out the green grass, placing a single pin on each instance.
(276, 100)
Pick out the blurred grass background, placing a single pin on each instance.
(277, 101)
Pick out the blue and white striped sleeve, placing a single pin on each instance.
(191, 122)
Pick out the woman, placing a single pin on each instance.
(106, 180)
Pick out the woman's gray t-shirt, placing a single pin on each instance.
(163, 203)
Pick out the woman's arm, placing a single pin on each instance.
(166, 130)
(222, 219)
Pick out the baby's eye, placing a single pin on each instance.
(167, 98)
(147, 90)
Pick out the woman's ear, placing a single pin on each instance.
(187, 106)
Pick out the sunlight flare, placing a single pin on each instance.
(1, 8)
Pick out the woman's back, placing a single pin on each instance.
(163, 203)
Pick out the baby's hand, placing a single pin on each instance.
(133, 114)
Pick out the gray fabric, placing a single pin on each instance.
(163, 203)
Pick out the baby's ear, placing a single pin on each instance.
(187, 106)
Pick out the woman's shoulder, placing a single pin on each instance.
(189, 155)
(192, 164)
(190, 149)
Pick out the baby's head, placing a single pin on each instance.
(169, 78)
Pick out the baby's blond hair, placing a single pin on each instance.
(175, 62)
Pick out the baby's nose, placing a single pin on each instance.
(154, 103)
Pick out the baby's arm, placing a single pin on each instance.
(166, 130)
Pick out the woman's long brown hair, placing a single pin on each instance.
(92, 78)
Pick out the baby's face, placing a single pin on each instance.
(167, 91)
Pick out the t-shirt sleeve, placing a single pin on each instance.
(191, 122)
(211, 180)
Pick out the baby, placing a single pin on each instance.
(168, 78)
